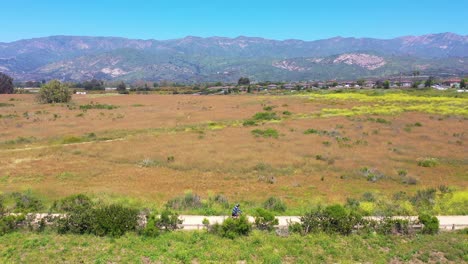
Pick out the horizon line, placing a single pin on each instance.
(224, 37)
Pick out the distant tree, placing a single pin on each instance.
(54, 92)
(122, 88)
(378, 84)
(218, 84)
(361, 82)
(249, 89)
(6, 84)
(94, 84)
(334, 84)
(463, 83)
(416, 84)
(155, 85)
(429, 82)
(243, 81)
(386, 84)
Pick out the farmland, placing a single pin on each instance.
(306, 149)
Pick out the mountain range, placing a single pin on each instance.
(195, 59)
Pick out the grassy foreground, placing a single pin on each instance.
(259, 247)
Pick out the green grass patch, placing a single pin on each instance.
(6, 105)
(98, 106)
(267, 133)
(265, 116)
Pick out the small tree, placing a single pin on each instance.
(386, 84)
(431, 224)
(6, 84)
(265, 220)
(361, 82)
(463, 83)
(429, 82)
(243, 81)
(54, 92)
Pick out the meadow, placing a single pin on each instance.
(305, 148)
(259, 247)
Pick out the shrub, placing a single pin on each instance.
(265, 220)
(72, 203)
(249, 122)
(114, 220)
(26, 202)
(168, 221)
(388, 225)
(430, 224)
(287, 113)
(188, 201)
(424, 199)
(10, 223)
(79, 218)
(267, 133)
(232, 228)
(428, 162)
(54, 92)
(274, 204)
(409, 180)
(268, 108)
(266, 116)
(311, 131)
(331, 219)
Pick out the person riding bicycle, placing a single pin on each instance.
(236, 211)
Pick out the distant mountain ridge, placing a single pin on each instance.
(196, 59)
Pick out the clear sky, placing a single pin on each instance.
(275, 19)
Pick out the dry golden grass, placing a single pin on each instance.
(223, 157)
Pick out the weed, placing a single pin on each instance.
(6, 105)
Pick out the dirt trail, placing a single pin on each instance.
(61, 145)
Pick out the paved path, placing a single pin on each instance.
(193, 222)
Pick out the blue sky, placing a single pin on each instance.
(275, 19)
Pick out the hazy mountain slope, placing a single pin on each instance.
(217, 58)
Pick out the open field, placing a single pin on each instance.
(147, 149)
(259, 247)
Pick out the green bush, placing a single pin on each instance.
(72, 203)
(265, 220)
(331, 219)
(265, 116)
(389, 225)
(232, 228)
(10, 223)
(114, 220)
(54, 92)
(249, 122)
(430, 224)
(274, 204)
(26, 202)
(428, 162)
(269, 132)
(168, 221)
(79, 218)
(150, 230)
